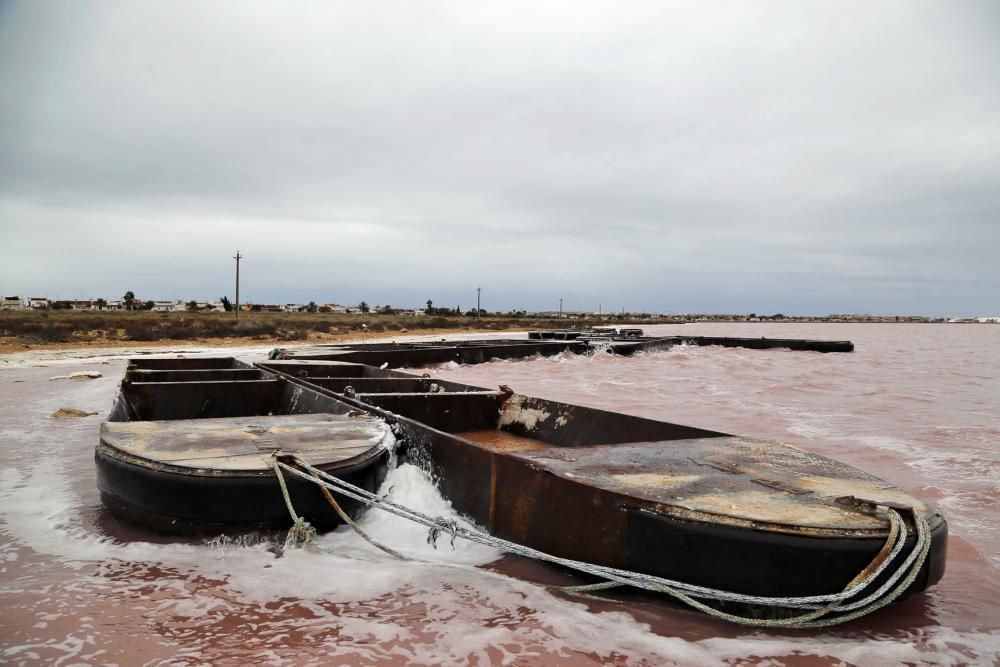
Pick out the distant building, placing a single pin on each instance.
(414, 312)
(84, 304)
(38, 302)
(989, 320)
(11, 303)
(168, 306)
(334, 308)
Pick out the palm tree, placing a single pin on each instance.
(363, 307)
(129, 299)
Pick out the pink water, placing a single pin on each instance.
(918, 405)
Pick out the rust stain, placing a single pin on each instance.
(493, 492)
(502, 441)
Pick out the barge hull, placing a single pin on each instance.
(172, 502)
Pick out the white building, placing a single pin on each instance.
(168, 306)
(38, 302)
(11, 303)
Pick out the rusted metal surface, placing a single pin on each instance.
(195, 375)
(556, 514)
(568, 425)
(728, 480)
(246, 443)
(390, 385)
(449, 412)
(185, 456)
(311, 368)
(153, 401)
(181, 362)
(575, 481)
(512, 486)
(797, 344)
(503, 441)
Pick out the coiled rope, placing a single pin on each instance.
(821, 610)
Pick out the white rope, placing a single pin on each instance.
(358, 529)
(451, 526)
(821, 605)
(301, 533)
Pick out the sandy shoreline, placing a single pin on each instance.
(15, 354)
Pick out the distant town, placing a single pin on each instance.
(130, 302)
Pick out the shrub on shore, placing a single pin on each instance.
(62, 326)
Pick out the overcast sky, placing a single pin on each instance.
(796, 157)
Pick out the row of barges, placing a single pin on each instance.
(189, 447)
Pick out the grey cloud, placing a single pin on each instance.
(664, 156)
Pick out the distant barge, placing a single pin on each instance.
(188, 443)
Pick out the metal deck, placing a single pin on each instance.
(245, 444)
(732, 480)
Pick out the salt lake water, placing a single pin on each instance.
(918, 405)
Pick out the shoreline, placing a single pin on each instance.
(14, 354)
(11, 345)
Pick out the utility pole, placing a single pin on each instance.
(237, 257)
(478, 310)
(560, 305)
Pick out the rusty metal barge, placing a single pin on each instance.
(188, 448)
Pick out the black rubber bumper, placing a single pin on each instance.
(757, 562)
(184, 503)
